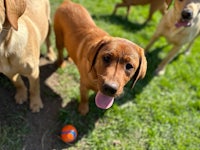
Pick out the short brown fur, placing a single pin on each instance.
(100, 58)
(154, 6)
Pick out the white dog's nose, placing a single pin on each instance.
(187, 14)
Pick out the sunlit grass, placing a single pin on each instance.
(160, 113)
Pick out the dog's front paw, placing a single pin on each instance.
(21, 95)
(36, 105)
(83, 108)
(51, 55)
(61, 63)
(159, 72)
(187, 52)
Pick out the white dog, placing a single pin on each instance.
(180, 26)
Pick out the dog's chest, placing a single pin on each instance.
(182, 35)
(9, 58)
(5, 61)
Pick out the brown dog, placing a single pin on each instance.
(105, 63)
(24, 26)
(180, 26)
(154, 6)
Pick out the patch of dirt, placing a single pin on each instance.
(44, 126)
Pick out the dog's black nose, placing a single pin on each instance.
(110, 88)
(187, 14)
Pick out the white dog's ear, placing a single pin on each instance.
(142, 68)
(14, 9)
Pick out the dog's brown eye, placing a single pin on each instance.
(107, 59)
(129, 66)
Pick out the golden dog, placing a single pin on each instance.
(180, 26)
(24, 25)
(105, 63)
(154, 6)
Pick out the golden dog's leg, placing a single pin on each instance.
(35, 100)
(152, 41)
(172, 54)
(121, 5)
(60, 47)
(153, 8)
(50, 52)
(128, 11)
(21, 90)
(83, 106)
(188, 49)
(60, 60)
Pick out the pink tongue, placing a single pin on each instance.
(103, 101)
(182, 23)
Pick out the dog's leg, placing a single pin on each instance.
(21, 90)
(115, 10)
(60, 60)
(152, 41)
(128, 11)
(50, 52)
(83, 106)
(35, 100)
(163, 9)
(172, 54)
(60, 47)
(188, 49)
(151, 11)
(121, 5)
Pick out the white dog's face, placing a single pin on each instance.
(188, 12)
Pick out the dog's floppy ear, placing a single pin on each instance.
(142, 68)
(14, 9)
(94, 51)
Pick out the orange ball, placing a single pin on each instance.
(68, 133)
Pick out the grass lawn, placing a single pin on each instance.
(160, 113)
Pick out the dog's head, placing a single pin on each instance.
(11, 10)
(116, 61)
(187, 12)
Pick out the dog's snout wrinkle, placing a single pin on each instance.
(110, 88)
(187, 14)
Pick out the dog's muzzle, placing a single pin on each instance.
(186, 18)
(187, 15)
(110, 89)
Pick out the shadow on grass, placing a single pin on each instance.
(30, 131)
(86, 124)
(83, 124)
(119, 20)
(42, 130)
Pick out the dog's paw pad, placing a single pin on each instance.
(36, 106)
(83, 109)
(51, 55)
(21, 96)
(159, 72)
